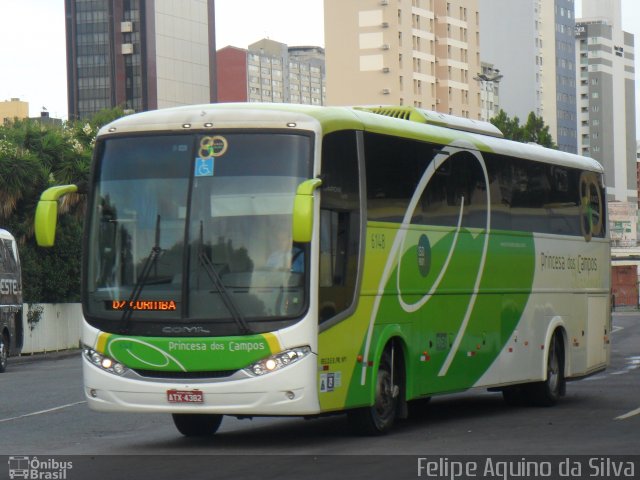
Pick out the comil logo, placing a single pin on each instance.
(38, 469)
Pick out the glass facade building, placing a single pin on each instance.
(122, 53)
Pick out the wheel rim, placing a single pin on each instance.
(385, 401)
(4, 352)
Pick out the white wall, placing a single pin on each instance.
(57, 329)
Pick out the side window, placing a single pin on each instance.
(564, 203)
(10, 263)
(545, 198)
(3, 258)
(394, 169)
(458, 183)
(340, 223)
(532, 196)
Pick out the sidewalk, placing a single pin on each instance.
(626, 309)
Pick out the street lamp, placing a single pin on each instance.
(489, 77)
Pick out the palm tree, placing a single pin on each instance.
(22, 177)
(34, 157)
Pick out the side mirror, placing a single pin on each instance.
(303, 210)
(47, 213)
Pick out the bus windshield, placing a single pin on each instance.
(196, 228)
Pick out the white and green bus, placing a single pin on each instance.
(266, 260)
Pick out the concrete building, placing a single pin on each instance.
(270, 71)
(606, 77)
(422, 53)
(533, 42)
(11, 109)
(139, 54)
(46, 119)
(638, 171)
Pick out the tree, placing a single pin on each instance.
(510, 127)
(34, 157)
(533, 131)
(536, 131)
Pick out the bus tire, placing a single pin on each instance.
(548, 392)
(4, 352)
(197, 424)
(378, 419)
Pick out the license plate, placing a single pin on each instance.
(185, 396)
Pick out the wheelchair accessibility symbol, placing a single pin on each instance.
(204, 167)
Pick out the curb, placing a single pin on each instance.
(40, 356)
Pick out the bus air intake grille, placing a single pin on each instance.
(429, 117)
(185, 375)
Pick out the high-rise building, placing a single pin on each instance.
(139, 54)
(270, 71)
(421, 53)
(533, 42)
(638, 171)
(606, 79)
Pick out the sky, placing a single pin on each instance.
(33, 51)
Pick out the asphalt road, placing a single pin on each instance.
(43, 414)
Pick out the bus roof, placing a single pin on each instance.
(402, 121)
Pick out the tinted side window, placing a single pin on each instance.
(540, 197)
(394, 168)
(11, 261)
(458, 184)
(524, 195)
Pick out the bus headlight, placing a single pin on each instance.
(102, 361)
(277, 361)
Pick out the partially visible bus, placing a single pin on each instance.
(427, 255)
(11, 333)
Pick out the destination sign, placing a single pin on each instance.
(144, 305)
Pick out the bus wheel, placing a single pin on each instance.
(548, 392)
(4, 352)
(197, 424)
(378, 418)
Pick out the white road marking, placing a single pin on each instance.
(41, 412)
(632, 413)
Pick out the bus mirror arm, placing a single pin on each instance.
(303, 209)
(47, 213)
(83, 187)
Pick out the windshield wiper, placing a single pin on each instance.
(210, 269)
(149, 262)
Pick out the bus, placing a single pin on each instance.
(426, 255)
(11, 330)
